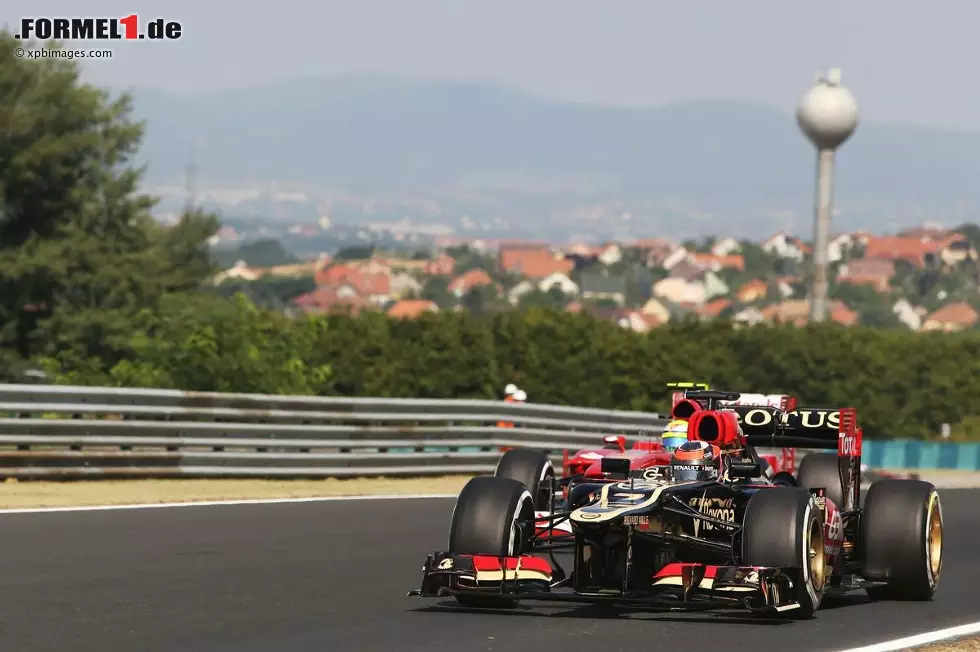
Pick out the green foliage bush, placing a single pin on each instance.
(904, 384)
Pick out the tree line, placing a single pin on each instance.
(903, 384)
(93, 290)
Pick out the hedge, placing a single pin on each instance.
(903, 384)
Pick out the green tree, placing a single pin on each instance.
(480, 299)
(270, 292)
(971, 231)
(467, 259)
(219, 345)
(437, 289)
(267, 252)
(875, 308)
(80, 254)
(553, 299)
(360, 252)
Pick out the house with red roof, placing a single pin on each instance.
(876, 272)
(532, 261)
(444, 265)
(952, 317)
(469, 280)
(328, 300)
(412, 308)
(717, 263)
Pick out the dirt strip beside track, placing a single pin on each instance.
(34, 494)
(971, 644)
(26, 495)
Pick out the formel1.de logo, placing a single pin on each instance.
(127, 28)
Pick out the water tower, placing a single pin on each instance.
(828, 115)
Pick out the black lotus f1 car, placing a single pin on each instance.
(739, 541)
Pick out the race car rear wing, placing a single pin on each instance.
(809, 427)
(692, 389)
(805, 427)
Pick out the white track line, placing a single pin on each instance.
(920, 639)
(211, 503)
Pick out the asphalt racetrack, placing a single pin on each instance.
(332, 576)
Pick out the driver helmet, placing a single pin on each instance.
(694, 460)
(674, 434)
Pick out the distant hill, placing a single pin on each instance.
(483, 143)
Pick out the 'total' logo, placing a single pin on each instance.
(127, 28)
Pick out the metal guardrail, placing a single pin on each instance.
(68, 431)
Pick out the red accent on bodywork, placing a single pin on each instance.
(555, 534)
(788, 460)
(648, 445)
(676, 569)
(717, 427)
(641, 461)
(833, 531)
(685, 409)
(587, 462)
(527, 562)
(851, 435)
(773, 462)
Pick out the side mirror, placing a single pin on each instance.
(615, 441)
(745, 470)
(615, 466)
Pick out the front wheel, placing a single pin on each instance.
(493, 516)
(783, 527)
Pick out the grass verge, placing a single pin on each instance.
(971, 644)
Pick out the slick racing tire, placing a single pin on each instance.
(531, 468)
(822, 470)
(784, 527)
(902, 536)
(493, 516)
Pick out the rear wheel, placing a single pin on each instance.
(493, 516)
(902, 535)
(783, 527)
(533, 469)
(822, 470)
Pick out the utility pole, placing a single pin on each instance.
(191, 178)
(827, 115)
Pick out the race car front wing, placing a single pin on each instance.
(677, 586)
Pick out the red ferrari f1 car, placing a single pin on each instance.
(536, 471)
(708, 531)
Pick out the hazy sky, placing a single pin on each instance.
(907, 61)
